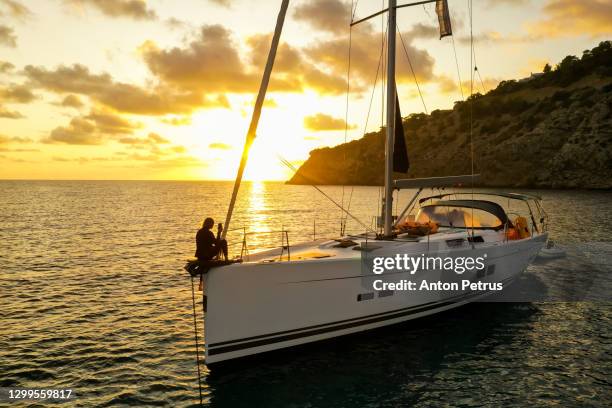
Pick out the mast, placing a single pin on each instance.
(388, 206)
(256, 111)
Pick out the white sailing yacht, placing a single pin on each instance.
(308, 292)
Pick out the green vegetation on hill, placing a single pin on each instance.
(553, 130)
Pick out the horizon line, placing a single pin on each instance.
(191, 180)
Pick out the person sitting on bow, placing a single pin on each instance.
(207, 246)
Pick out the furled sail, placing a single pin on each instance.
(400, 152)
(443, 18)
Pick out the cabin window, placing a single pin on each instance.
(458, 217)
(385, 293)
(490, 269)
(455, 243)
(365, 296)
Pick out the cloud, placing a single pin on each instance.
(574, 18)
(127, 98)
(81, 159)
(325, 83)
(177, 121)
(421, 30)
(288, 58)
(177, 161)
(365, 54)
(7, 36)
(15, 9)
(157, 138)
(8, 114)
(323, 122)
(220, 146)
(154, 144)
(175, 24)
(495, 37)
(16, 94)
(153, 139)
(110, 123)
(93, 129)
(136, 9)
(169, 158)
(7, 150)
(292, 72)
(210, 63)
(79, 132)
(9, 140)
(72, 101)
(269, 103)
(5, 67)
(224, 3)
(493, 3)
(332, 16)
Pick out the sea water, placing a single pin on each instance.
(94, 298)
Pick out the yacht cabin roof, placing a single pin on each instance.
(436, 182)
(488, 206)
(514, 196)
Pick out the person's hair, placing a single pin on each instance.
(208, 221)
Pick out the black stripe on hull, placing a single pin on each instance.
(279, 339)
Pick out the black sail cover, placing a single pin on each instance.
(443, 18)
(400, 152)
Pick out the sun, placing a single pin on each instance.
(264, 163)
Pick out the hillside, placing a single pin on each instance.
(551, 131)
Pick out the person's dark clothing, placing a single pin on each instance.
(207, 246)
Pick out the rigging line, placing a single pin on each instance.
(470, 8)
(197, 342)
(346, 112)
(384, 62)
(292, 167)
(348, 208)
(412, 69)
(378, 209)
(365, 128)
(458, 70)
(484, 89)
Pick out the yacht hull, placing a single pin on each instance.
(258, 307)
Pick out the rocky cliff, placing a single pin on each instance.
(553, 130)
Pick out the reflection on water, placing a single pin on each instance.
(94, 298)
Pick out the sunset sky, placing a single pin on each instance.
(164, 89)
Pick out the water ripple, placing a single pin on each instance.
(94, 299)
